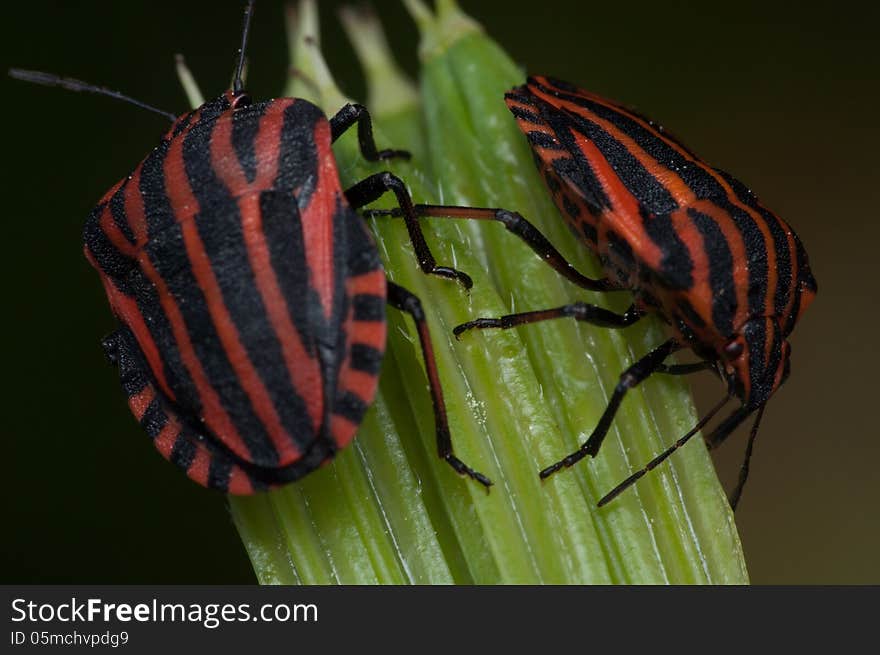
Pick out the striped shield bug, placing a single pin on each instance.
(249, 294)
(690, 241)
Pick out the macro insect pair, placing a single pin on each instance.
(251, 299)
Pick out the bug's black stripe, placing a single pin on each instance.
(756, 338)
(350, 406)
(589, 231)
(793, 316)
(133, 382)
(220, 229)
(367, 307)
(806, 283)
(721, 280)
(219, 470)
(366, 358)
(157, 210)
(359, 255)
(112, 263)
(297, 157)
(212, 109)
(526, 115)
(676, 265)
(775, 359)
(167, 252)
(245, 126)
(117, 211)
(154, 418)
(550, 179)
(131, 373)
(183, 452)
(520, 94)
(571, 207)
(620, 250)
(543, 140)
(804, 274)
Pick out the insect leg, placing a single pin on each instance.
(354, 113)
(579, 311)
(375, 186)
(407, 302)
(630, 378)
(516, 224)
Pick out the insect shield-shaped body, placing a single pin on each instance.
(690, 241)
(249, 293)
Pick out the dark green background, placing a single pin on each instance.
(784, 97)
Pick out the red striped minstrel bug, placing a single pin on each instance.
(249, 294)
(690, 241)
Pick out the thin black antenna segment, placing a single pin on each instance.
(611, 495)
(48, 79)
(744, 470)
(237, 83)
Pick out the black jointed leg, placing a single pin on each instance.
(515, 224)
(407, 302)
(374, 187)
(354, 113)
(578, 311)
(614, 493)
(630, 378)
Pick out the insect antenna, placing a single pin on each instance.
(744, 469)
(611, 495)
(237, 82)
(48, 79)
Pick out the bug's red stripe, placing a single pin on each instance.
(317, 229)
(198, 470)
(134, 209)
(185, 207)
(140, 401)
(239, 482)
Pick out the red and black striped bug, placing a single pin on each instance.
(692, 243)
(249, 294)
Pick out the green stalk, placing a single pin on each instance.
(387, 510)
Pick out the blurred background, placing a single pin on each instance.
(784, 98)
